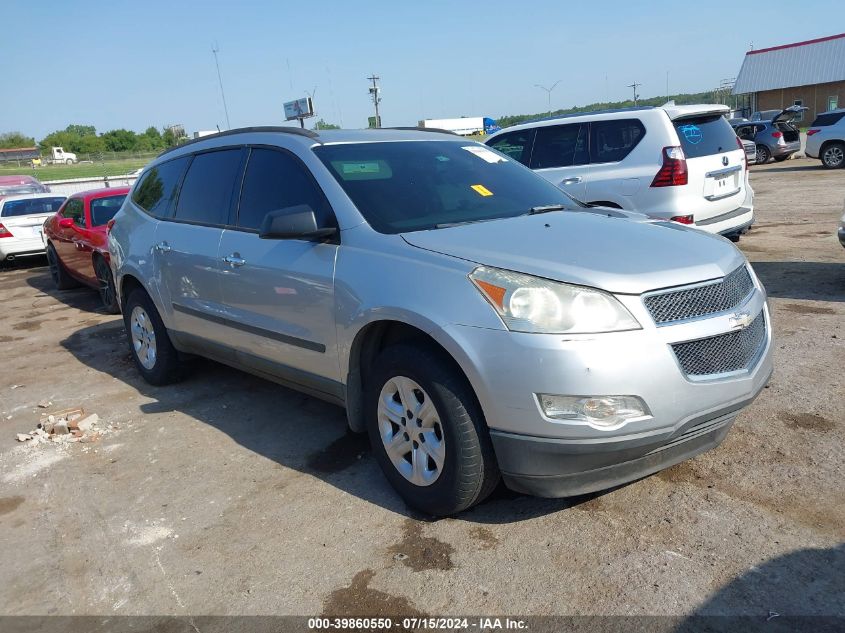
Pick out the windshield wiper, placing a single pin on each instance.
(546, 208)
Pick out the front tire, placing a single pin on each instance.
(427, 431)
(149, 343)
(833, 156)
(108, 294)
(61, 277)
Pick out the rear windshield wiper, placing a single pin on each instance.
(546, 208)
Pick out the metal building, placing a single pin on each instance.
(810, 74)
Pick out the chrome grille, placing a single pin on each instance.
(690, 302)
(723, 353)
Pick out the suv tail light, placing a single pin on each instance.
(683, 219)
(4, 232)
(777, 134)
(744, 155)
(674, 169)
(811, 132)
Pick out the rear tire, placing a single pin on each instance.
(456, 467)
(108, 294)
(763, 154)
(60, 276)
(149, 343)
(780, 159)
(833, 155)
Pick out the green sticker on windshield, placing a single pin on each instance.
(362, 169)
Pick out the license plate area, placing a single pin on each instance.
(722, 184)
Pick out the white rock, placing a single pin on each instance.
(87, 423)
(23, 437)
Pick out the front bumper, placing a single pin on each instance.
(551, 457)
(556, 468)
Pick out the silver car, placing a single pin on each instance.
(471, 317)
(775, 137)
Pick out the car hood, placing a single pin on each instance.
(613, 254)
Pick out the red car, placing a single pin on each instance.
(77, 242)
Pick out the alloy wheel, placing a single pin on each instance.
(833, 156)
(143, 337)
(411, 431)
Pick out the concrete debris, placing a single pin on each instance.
(69, 425)
(45, 404)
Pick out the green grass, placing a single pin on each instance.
(80, 170)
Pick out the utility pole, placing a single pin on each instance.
(375, 93)
(549, 92)
(635, 85)
(216, 49)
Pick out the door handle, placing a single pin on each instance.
(162, 247)
(234, 260)
(571, 181)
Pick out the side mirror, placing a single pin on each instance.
(66, 223)
(293, 223)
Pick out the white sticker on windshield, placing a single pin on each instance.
(484, 153)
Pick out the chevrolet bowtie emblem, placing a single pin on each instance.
(740, 320)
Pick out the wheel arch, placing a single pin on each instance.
(374, 337)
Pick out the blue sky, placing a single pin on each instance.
(134, 64)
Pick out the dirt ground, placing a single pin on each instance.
(226, 494)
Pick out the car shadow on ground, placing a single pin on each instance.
(81, 297)
(775, 167)
(800, 591)
(269, 420)
(815, 281)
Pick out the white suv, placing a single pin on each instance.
(826, 139)
(682, 163)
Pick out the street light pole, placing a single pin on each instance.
(549, 92)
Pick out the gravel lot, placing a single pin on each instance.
(227, 494)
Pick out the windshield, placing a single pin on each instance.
(417, 185)
(103, 209)
(31, 206)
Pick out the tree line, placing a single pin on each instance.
(83, 139)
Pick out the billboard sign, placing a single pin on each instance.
(299, 109)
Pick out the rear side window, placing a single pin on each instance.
(612, 141)
(824, 120)
(705, 136)
(31, 207)
(560, 146)
(156, 193)
(276, 180)
(206, 194)
(103, 209)
(517, 145)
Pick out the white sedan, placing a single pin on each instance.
(21, 220)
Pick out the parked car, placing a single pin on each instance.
(13, 185)
(841, 232)
(681, 163)
(777, 138)
(21, 217)
(750, 148)
(826, 139)
(468, 314)
(76, 242)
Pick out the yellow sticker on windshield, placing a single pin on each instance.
(481, 190)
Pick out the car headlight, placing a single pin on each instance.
(533, 304)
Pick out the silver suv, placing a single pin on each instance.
(826, 139)
(470, 316)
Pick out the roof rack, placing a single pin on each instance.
(420, 129)
(241, 130)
